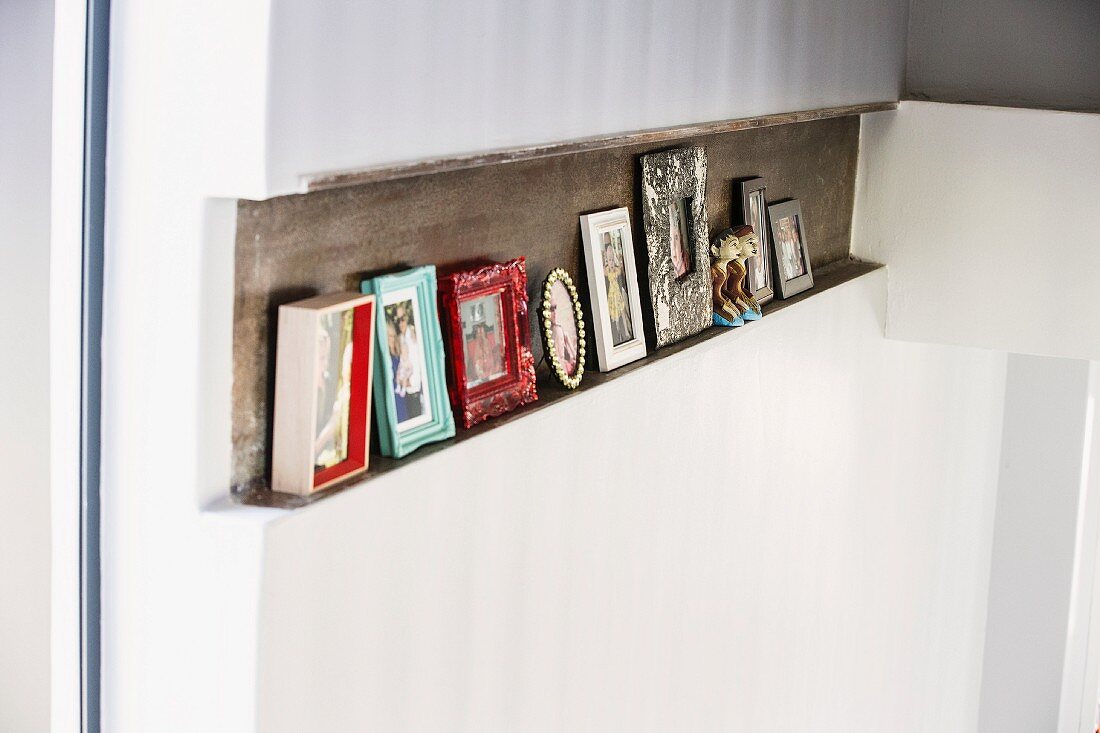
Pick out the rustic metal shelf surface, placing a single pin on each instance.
(551, 393)
(296, 246)
(339, 179)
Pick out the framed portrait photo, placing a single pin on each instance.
(750, 193)
(323, 368)
(563, 328)
(674, 214)
(613, 288)
(792, 256)
(410, 384)
(484, 314)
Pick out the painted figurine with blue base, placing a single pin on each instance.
(733, 305)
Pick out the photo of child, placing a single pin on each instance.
(407, 359)
(679, 237)
(788, 243)
(614, 272)
(482, 344)
(563, 325)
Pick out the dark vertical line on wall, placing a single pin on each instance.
(95, 161)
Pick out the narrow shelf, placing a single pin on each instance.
(340, 179)
(550, 392)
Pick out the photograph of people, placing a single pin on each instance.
(756, 219)
(618, 304)
(678, 238)
(407, 361)
(481, 341)
(790, 249)
(564, 327)
(334, 354)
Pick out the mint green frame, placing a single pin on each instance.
(442, 425)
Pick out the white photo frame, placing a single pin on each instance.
(324, 367)
(620, 339)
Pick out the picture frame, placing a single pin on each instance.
(791, 254)
(323, 370)
(614, 297)
(673, 211)
(562, 328)
(410, 382)
(751, 195)
(484, 315)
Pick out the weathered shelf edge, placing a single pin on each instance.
(825, 278)
(1005, 105)
(341, 179)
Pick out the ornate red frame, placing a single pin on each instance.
(517, 386)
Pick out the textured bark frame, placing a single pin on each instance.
(681, 305)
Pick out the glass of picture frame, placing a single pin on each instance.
(750, 193)
(410, 384)
(485, 323)
(563, 334)
(793, 273)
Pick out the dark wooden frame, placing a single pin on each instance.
(742, 189)
(776, 213)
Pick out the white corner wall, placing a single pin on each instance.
(26, 46)
(358, 84)
(784, 528)
(1013, 52)
(212, 99)
(849, 551)
(988, 219)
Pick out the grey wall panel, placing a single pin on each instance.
(1011, 52)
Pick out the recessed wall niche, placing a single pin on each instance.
(296, 246)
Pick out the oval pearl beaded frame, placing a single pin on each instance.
(574, 380)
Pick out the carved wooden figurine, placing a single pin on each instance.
(733, 305)
(748, 246)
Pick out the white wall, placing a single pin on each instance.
(811, 583)
(357, 84)
(1014, 52)
(782, 530)
(180, 584)
(1079, 710)
(66, 262)
(26, 43)
(988, 220)
(1039, 505)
